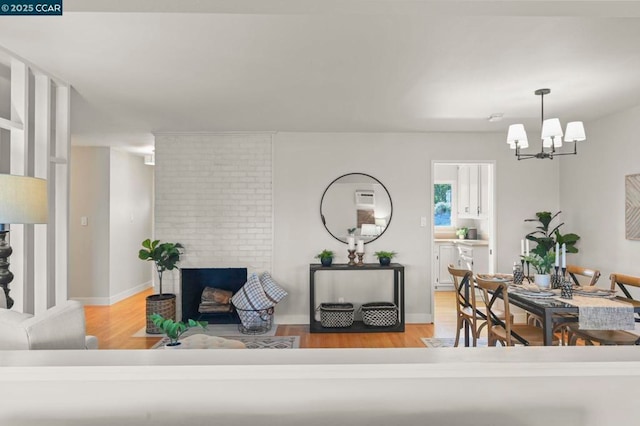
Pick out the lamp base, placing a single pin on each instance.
(5, 275)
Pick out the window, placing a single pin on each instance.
(443, 205)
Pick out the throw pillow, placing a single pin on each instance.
(251, 296)
(274, 292)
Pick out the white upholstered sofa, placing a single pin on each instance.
(61, 327)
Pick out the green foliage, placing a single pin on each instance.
(546, 237)
(324, 254)
(542, 264)
(165, 255)
(462, 231)
(442, 207)
(388, 254)
(174, 329)
(440, 191)
(351, 231)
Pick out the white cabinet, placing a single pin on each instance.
(473, 194)
(445, 254)
(474, 258)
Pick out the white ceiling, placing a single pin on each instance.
(144, 66)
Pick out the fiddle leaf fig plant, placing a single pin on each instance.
(165, 255)
(546, 236)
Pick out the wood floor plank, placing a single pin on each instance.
(115, 325)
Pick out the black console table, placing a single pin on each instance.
(358, 326)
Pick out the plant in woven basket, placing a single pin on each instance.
(174, 329)
(165, 255)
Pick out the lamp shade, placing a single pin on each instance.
(575, 132)
(23, 200)
(551, 128)
(516, 134)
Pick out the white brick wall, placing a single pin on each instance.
(214, 195)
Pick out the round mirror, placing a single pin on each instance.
(356, 203)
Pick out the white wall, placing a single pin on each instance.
(305, 163)
(214, 195)
(89, 245)
(130, 223)
(113, 190)
(593, 195)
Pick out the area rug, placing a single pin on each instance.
(222, 330)
(252, 342)
(447, 342)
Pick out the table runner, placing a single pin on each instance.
(596, 313)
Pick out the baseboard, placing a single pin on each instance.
(108, 301)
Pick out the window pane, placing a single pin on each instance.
(442, 204)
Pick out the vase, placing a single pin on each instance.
(326, 261)
(176, 345)
(542, 280)
(385, 261)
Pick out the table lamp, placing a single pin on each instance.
(23, 200)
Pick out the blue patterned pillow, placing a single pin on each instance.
(274, 292)
(251, 297)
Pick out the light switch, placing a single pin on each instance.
(84, 221)
(423, 221)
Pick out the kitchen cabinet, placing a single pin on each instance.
(473, 191)
(445, 254)
(473, 257)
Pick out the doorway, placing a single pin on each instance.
(462, 222)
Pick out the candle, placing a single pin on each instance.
(557, 255)
(527, 251)
(352, 243)
(564, 255)
(360, 246)
(522, 247)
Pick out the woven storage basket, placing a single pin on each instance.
(164, 305)
(334, 315)
(255, 321)
(379, 314)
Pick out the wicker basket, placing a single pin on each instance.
(162, 304)
(336, 315)
(255, 321)
(379, 314)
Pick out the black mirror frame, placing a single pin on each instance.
(324, 222)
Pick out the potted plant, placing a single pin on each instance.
(546, 237)
(542, 265)
(172, 329)
(165, 256)
(461, 232)
(326, 257)
(384, 257)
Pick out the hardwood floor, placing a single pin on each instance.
(115, 325)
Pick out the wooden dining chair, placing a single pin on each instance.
(466, 311)
(504, 330)
(575, 272)
(610, 337)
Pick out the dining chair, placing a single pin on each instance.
(575, 271)
(466, 304)
(610, 337)
(504, 330)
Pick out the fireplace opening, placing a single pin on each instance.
(193, 282)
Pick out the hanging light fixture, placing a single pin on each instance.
(551, 135)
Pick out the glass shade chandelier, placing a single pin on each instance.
(551, 135)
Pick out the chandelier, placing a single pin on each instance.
(551, 135)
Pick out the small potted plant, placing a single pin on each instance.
(385, 257)
(174, 329)
(326, 257)
(462, 232)
(542, 265)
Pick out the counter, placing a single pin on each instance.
(459, 241)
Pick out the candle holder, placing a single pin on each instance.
(566, 291)
(556, 281)
(352, 255)
(360, 256)
(528, 277)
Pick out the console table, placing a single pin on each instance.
(358, 326)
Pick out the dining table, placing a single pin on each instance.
(548, 307)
